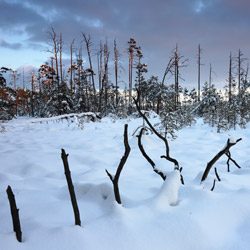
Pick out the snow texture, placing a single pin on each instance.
(154, 214)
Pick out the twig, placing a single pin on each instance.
(212, 189)
(216, 173)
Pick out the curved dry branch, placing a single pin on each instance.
(217, 157)
(115, 179)
(163, 176)
(167, 156)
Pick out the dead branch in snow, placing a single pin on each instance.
(71, 187)
(217, 157)
(115, 178)
(14, 214)
(163, 176)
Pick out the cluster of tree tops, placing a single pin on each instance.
(53, 93)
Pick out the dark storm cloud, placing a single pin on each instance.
(219, 25)
(15, 17)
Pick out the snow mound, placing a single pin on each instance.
(168, 194)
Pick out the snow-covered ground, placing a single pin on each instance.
(154, 215)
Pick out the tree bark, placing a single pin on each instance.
(14, 214)
(64, 157)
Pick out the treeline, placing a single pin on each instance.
(51, 92)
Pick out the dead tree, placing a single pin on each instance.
(88, 43)
(60, 57)
(64, 157)
(177, 65)
(199, 72)
(163, 176)
(169, 69)
(115, 178)
(116, 54)
(14, 214)
(71, 66)
(217, 157)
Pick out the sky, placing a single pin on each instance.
(219, 26)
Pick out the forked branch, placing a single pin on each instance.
(115, 178)
(217, 157)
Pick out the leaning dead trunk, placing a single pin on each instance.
(71, 188)
(14, 214)
(115, 178)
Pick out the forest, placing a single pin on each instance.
(53, 92)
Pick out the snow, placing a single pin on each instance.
(155, 214)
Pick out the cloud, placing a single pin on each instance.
(14, 46)
(220, 26)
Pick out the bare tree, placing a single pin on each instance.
(60, 57)
(230, 79)
(178, 63)
(100, 74)
(116, 54)
(88, 42)
(199, 72)
(54, 51)
(71, 66)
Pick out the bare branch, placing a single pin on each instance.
(167, 156)
(64, 157)
(163, 176)
(217, 157)
(120, 167)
